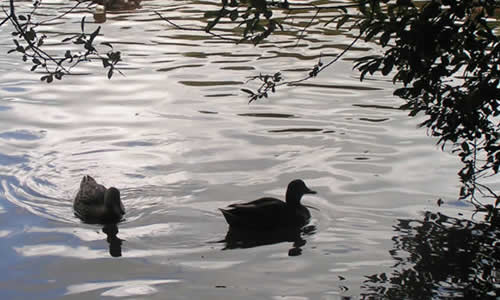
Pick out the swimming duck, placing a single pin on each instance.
(118, 4)
(96, 204)
(268, 213)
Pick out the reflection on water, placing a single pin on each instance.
(241, 238)
(266, 115)
(441, 257)
(115, 243)
(296, 130)
(124, 288)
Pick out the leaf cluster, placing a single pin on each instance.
(29, 43)
(254, 16)
(268, 84)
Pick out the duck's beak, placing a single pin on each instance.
(308, 191)
(119, 209)
(122, 209)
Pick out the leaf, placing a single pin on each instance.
(94, 34)
(372, 31)
(105, 63)
(388, 65)
(107, 44)
(110, 73)
(404, 3)
(465, 147)
(82, 24)
(211, 14)
(30, 35)
(248, 91)
(68, 38)
(384, 38)
(233, 15)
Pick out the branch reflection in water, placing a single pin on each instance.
(441, 257)
(237, 238)
(115, 243)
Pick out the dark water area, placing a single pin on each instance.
(179, 139)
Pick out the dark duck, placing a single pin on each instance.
(94, 203)
(271, 213)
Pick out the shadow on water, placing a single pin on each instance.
(267, 115)
(244, 238)
(441, 257)
(115, 243)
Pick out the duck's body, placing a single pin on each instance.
(118, 4)
(96, 204)
(268, 213)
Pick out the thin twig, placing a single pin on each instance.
(326, 65)
(307, 26)
(63, 14)
(195, 29)
(305, 6)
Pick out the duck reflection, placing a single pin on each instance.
(115, 243)
(237, 238)
(441, 257)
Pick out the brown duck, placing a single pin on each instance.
(94, 203)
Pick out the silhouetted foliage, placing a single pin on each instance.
(440, 257)
(445, 55)
(255, 19)
(29, 43)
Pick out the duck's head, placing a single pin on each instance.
(113, 202)
(296, 189)
(99, 9)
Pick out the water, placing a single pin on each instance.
(177, 137)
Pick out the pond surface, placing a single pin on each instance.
(178, 138)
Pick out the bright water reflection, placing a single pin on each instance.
(179, 140)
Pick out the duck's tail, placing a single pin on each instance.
(87, 179)
(229, 216)
(225, 213)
